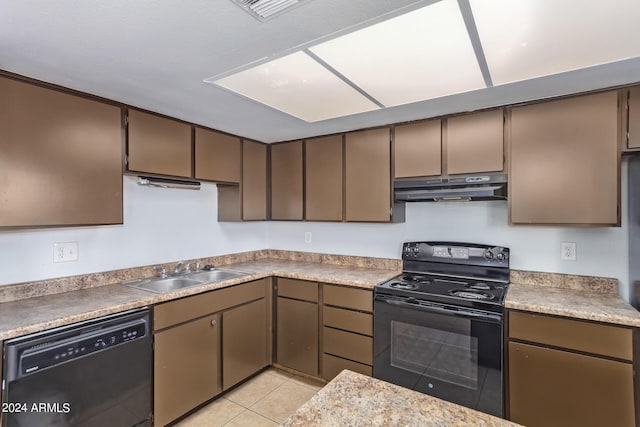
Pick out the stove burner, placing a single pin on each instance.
(415, 278)
(405, 286)
(482, 286)
(471, 294)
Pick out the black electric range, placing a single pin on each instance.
(438, 326)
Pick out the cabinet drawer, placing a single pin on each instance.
(578, 335)
(298, 289)
(174, 312)
(356, 299)
(332, 366)
(348, 345)
(354, 321)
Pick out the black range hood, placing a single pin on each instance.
(459, 188)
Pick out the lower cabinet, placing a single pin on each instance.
(206, 343)
(186, 365)
(566, 372)
(244, 342)
(347, 332)
(297, 325)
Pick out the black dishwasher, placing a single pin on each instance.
(95, 373)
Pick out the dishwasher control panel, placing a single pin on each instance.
(49, 356)
(33, 353)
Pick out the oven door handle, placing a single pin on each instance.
(496, 318)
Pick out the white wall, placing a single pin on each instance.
(601, 251)
(160, 225)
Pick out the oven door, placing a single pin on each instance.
(448, 352)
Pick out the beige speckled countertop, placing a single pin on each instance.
(25, 316)
(580, 297)
(352, 399)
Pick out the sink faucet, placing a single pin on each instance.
(176, 269)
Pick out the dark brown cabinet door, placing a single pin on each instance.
(549, 387)
(244, 342)
(286, 181)
(368, 175)
(254, 181)
(418, 149)
(297, 335)
(634, 118)
(475, 143)
(324, 176)
(185, 367)
(564, 162)
(158, 145)
(61, 158)
(218, 156)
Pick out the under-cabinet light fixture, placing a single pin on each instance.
(168, 183)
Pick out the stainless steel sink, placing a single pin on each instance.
(164, 285)
(216, 275)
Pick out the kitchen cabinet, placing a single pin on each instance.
(244, 341)
(368, 176)
(347, 333)
(194, 358)
(565, 162)
(61, 158)
(324, 176)
(217, 156)
(564, 372)
(297, 325)
(633, 118)
(418, 149)
(254, 181)
(475, 143)
(185, 367)
(286, 181)
(247, 201)
(158, 145)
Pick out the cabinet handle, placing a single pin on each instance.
(213, 322)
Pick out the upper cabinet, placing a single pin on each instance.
(324, 176)
(158, 145)
(475, 143)
(418, 149)
(286, 181)
(633, 122)
(368, 175)
(565, 162)
(254, 181)
(61, 158)
(217, 156)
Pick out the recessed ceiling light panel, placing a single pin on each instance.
(420, 55)
(525, 39)
(299, 86)
(264, 10)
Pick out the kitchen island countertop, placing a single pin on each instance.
(352, 399)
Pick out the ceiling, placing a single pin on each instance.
(157, 54)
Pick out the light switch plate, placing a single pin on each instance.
(65, 252)
(307, 237)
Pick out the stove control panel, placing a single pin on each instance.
(456, 253)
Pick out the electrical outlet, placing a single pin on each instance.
(65, 252)
(568, 251)
(307, 237)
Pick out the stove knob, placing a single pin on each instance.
(488, 255)
(501, 256)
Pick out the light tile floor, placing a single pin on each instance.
(267, 399)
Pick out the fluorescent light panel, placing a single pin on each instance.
(420, 55)
(298, 85)
(525, 39)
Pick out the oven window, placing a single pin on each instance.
(448, 356)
